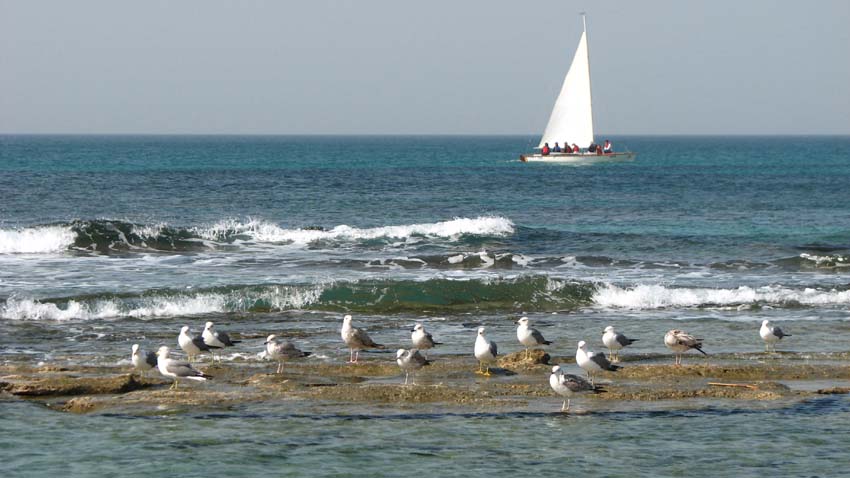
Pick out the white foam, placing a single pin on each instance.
(654, 296)
(833, 261)
(36, 240)
(278, 298)
(262, 231)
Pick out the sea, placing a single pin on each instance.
(106, 241)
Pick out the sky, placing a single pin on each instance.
(435, 67)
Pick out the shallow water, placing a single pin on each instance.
(110, 241)
(805, 439)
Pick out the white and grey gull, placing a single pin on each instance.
(680, 342)
(615, 342)
(485, 351)
(177, 369)
(192, 344)
(356, 339)
(143, 360)
(529, 336)
(771, 334)
(567, 385)
(422, 340)
(217, 339)
(592, 362)
(410, 361)
(280, 349)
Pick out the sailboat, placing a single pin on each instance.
(571, 121)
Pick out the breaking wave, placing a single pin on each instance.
(375, 296)
(660, 297)
(106, 236)
(36, 240)
(368, 296)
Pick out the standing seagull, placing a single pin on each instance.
(410, 360)
(356, 339)
(593, 362)
(485, 351)
(771, 334)
(280, 349)
(680, 342)
(422, 340)
(192, 345)
(142, 360)
(615, 341)
(214, 338)
(567, 384)
(528, 336)
(177, 369)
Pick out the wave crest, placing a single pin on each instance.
(36, 240)
(659, 297)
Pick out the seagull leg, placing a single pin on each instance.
(487, 370)
(406, 375)
(568, 405)
(279, 367)
(564, 406)
(526, 353)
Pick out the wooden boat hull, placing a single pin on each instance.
(576, 158)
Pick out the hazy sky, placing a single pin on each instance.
(438, 66)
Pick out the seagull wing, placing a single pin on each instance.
(364, 340)
(430, 339)
(150, 359)
(538, 337)
(604, 364)
(623, 340)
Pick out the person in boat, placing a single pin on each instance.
(545, 150)
(592, 148)
(556, 149)
(608, 148)
(576, 148)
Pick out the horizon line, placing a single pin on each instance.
(796, 135)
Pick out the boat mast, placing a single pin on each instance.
(589, 79)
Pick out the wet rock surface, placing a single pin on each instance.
(450, 381)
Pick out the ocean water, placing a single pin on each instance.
(109, 241)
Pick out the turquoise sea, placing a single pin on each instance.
(106, 241)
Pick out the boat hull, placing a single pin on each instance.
(576, 158)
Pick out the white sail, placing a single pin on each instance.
(572, 116)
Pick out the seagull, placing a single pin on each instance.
(680, 342)
(422, 340)
(593, 362)
(214, 338)
(280, 349)
(410, 360)
(567, 384)
(771, 334)
(142, 360)
(615, 341)
(485, 352)
(193, 345)
(177, 369)
(528, 336)
(356, 339)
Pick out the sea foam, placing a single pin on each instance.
(167, 305)
(262, 231)
(36, 240)
(654, 296)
